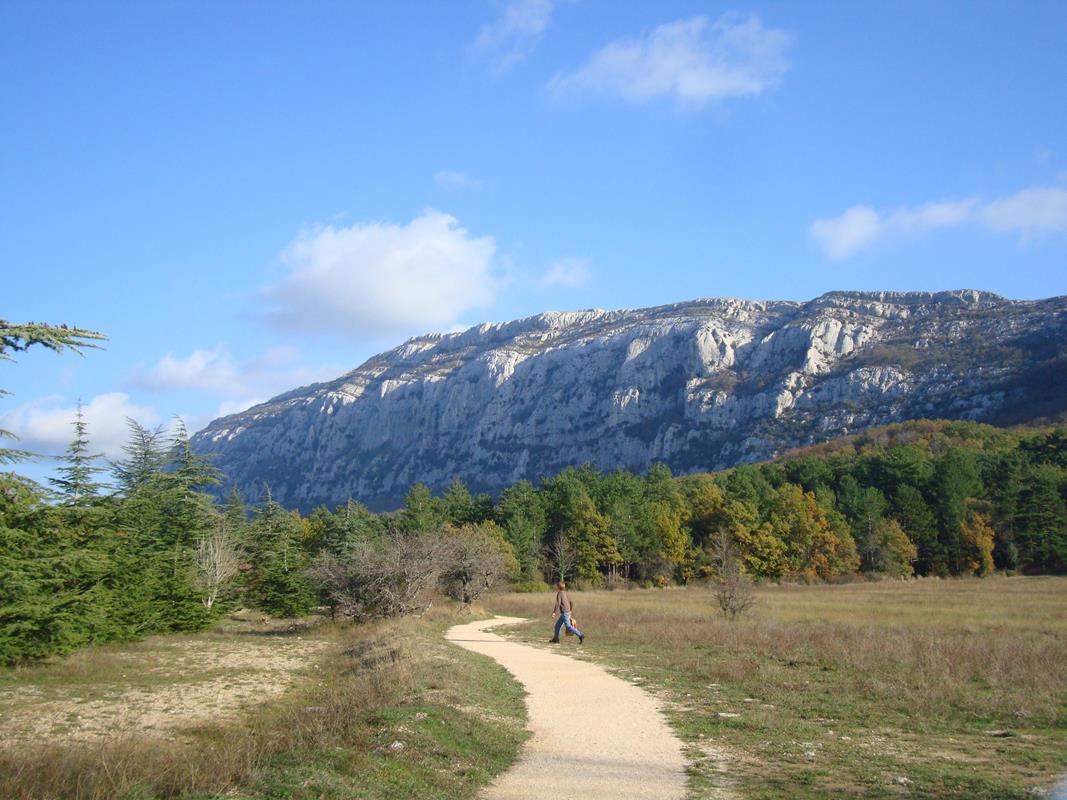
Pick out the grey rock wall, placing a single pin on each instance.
(701, 385)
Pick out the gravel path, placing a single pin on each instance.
(595, 736)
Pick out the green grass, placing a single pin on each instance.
(459, 719)
(862, 690)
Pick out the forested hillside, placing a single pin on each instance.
(155, 553)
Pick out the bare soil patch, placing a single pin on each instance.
(158, 687)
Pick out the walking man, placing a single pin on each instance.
(564, 607)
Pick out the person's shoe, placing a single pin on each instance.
(581, 638)
(553, 641)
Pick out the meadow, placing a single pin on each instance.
(923, 688)
(277, 709)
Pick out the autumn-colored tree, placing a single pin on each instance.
(976, 543)
(890, 550)
(816, 544)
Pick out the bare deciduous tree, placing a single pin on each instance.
(217, 561)
(560, 557)
(477, 556)
(407, 572)
(393, 576)
(733, 589)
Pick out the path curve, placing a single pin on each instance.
(595, 736)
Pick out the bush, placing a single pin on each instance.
(733, 589)
(531, 587)
(395, 576)
(475, 557)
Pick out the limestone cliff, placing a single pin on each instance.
(700, 385)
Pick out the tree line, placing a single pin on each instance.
(156, 550)
(925, 498)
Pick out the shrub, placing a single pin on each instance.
(531, 587)
(395, 576)
(475, 557)
(733, 590)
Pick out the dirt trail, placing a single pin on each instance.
(594, 735)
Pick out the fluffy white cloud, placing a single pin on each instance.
(1029, 212)
(694, 61)
(44, 426)
(568, 272)
(275, 371)
(513, 35)
(381, 279)
(210, 370)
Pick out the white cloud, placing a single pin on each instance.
(275, 371)
(451, 179)
(513, 35)
(381, 279)
(1029, 212)
(44, 426)
(844, 235)
(694, 61)
(210, 370)
(861, 226)
(568, 272)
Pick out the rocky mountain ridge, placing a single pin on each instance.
(700, 385)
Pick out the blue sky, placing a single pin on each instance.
(247, 197)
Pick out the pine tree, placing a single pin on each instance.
(279, 583)
(75, 482)
(458, 504)
(162, 516)
(522, 516)
(920, 525)
(15, 338)
(421, 511)
(146, 456)
(1041, 521)
(954, 481)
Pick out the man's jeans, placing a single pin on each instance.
(565, 619)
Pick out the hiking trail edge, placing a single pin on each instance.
(595, 736)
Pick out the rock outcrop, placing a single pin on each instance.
(701, 385)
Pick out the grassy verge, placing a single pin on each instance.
(935, 689)
(381, 711)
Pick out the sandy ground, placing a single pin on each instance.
(595, 736)
(196, 681)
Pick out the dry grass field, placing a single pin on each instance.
(926, 688)
(253, 710)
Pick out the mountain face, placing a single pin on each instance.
(701, 386)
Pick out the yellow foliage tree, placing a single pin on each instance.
(976, 543)
(892, 551)
(816, 545)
